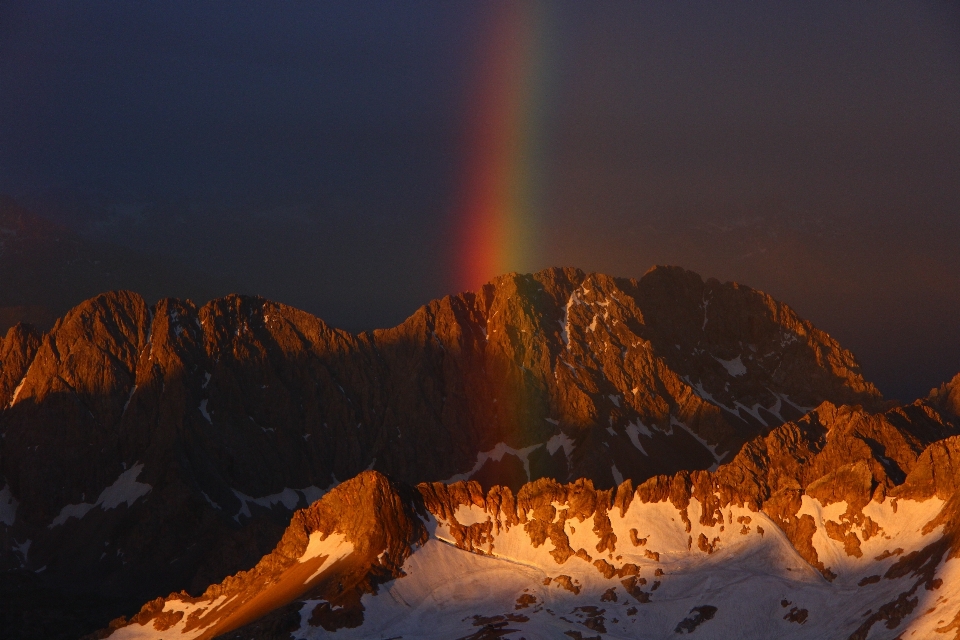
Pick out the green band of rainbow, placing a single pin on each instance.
(501, 186)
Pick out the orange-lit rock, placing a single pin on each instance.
(163, 448)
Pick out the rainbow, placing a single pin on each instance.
(501, 186)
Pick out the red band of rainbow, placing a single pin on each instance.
(502, 178)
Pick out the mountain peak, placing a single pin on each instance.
(947, 397)
(797, 530)
(214, 424)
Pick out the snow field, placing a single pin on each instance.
(759, 584)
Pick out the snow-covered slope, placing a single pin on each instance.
(751, 585)
(784, 541)
(238, 412)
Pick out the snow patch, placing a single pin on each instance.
(617, 476)
(16, 392)
(788, 338)
(190, 610)
(706, 395)
(312, 493)
(23, 550)
(124, 489)
(712, 448)
(469, 514)
(496, 454)
(71, 511)
(786, 398)
(775, 409)
(335, 546)
(558, 441)
(734, 367)
(289, 498)
(565, 323)
(203, 410)
(753, 411)
(129, 398)
(901, 525)
(633, 432)
(8, 506)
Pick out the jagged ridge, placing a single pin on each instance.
(830, 484)
(155, 448)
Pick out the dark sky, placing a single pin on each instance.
(313, 152)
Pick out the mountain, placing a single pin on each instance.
(155, 448)
(947, 398)
(843, 524)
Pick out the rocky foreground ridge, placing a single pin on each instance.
(843, 524)
(153, 448)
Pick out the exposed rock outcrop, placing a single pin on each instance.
(830, 489)
(17, 350)
(343, 546)
(946, 398)
(156, 448)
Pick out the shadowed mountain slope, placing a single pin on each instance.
(842, 524)
(152, 448)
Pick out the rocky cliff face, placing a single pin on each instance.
(947, 398)
(841, 524)
(155, 448)
(345, 545)
(16, 353)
